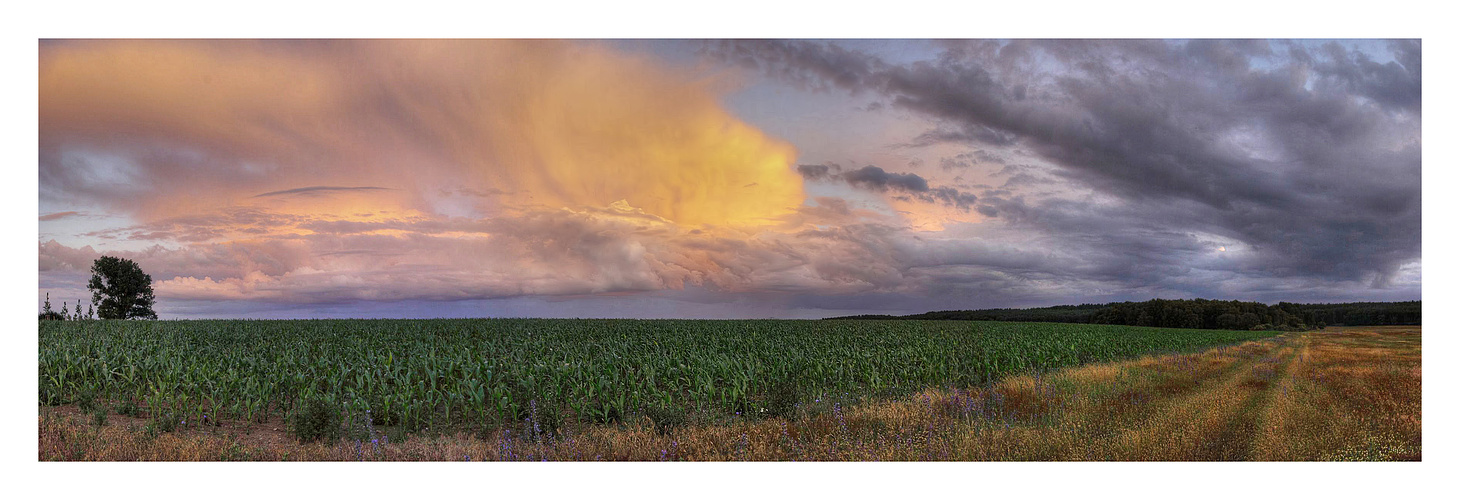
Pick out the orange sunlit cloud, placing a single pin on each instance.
(544, 123)
(445, 169)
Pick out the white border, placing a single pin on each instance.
(754, 19)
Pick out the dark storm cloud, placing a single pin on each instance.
(312, 190)
(876, 179)
(814, 172)
(1308, 154)
(1395, 83)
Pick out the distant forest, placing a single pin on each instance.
(1196, 313)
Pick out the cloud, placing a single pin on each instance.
(612, 249)
(235, 222)
(876, 179)
(814, 172)
(310, 175)
(312, 190)
(59, 215)
(146, 126)
(1307, 154)
(872, 178)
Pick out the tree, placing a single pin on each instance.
(120, 289)
(48, 313)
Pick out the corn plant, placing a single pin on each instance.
(416, 373)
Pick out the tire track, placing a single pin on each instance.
(1217, 420)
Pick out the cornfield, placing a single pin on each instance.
(484, 373)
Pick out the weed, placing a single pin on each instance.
(127, 407)
(86, 400)
(665, 419)
(163, 421)
(782, 399)
(542, 419)
(316, 420)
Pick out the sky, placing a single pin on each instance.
(728, 178)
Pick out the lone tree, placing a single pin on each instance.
(120, 289)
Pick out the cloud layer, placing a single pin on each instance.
(1307, 155)
(154, 127)
(312, 175)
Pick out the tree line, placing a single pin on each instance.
(1195, 313)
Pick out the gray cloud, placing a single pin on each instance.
(814, 172)
(876, 179)
(969, 159)
(1308, 156)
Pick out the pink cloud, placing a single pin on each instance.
(58, 215)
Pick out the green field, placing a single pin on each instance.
(484, 373)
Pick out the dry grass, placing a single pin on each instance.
(1340, 394)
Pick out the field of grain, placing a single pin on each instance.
(1333, 395)
(486, 374)
(1342, 394)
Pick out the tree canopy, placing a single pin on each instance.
(120, 289)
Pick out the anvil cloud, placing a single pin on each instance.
(572, 178)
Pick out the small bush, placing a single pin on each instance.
(665, 419)
(782, 399)
(126, 407)
(86, 401)
(542, 419)
(98, 417)
(316, 420)
(163, 421)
